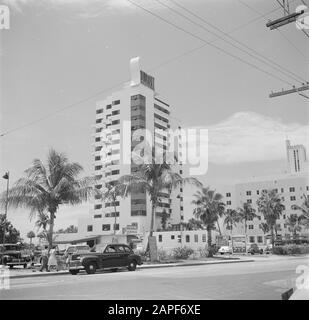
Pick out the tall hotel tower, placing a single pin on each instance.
(139, 103)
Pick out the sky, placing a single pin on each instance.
(60, 52)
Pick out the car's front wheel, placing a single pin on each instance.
(132, 266)
(91, 268)
(74, 272)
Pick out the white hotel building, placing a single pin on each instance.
(292, 186)
(139, 103)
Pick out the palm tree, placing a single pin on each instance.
(42, 220)
(30, 235)
(193, 224)
(154, 179)
(45, 187)
(232, 217)
(304, 208)
(269, 203)
(111, 194)
(209, 208)
(293, 224)
(264, 227)
(246, 213)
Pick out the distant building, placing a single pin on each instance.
(139, 103)
(291, 186)
(297, 159)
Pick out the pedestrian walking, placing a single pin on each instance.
(44, 260)
(52, 261)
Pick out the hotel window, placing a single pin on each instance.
(108, 106)
(116, 226)
(97, 158)
(115, 122)
(98, 121)
(114, 172)
(292, 189)
(282, 190)
(98, 148)
(97, 139)
(116, 131)
(228, 195)
(97, 216)
(89, 228)
(204, 237)
(172, 237)
(260, 239)
(196, 238)
(187, 238)
(248, 193)
(249, 200)
(251, 239)
(257, 192)
(251, 227)
(115, 112)
(115, 102)
(106, 227)
(99, 111)
(228, 202)
(97, 167)
(292, 198)
(98, 206)
(160, 237)
(97, 196)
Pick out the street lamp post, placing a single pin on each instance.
(7, 178)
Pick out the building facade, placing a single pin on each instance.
(125, 121)
(291, 186)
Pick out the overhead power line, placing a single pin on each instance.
(90, 97)
(256, 55)
(210, 43)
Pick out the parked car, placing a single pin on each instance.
(111, 256)
(13, 255)
(254, 249)
(225, 249)
(75, 249)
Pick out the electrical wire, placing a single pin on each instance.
(269, 62)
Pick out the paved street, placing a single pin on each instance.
(262, 279)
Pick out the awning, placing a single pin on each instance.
(73, 238)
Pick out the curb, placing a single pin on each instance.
(169, 265)
(153, 266)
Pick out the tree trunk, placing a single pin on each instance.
(153, 212)
(272, 238)
(51, 231)
(210, 253)
(219, 228)
(115, 222)
(245, 236)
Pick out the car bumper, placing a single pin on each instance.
(76, 265)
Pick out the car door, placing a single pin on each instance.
(124, 253)
(110, 257)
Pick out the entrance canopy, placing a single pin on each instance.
(73, 238)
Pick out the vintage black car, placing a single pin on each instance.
(111, 256)
(13, 255)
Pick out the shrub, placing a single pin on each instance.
(182, 252)
(162, 255)
(289, 249)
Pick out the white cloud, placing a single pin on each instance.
(249, 136)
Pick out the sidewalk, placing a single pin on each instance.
(30, 273)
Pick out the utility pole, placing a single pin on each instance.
(293, 90)
(7, 178)
(288, 17)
